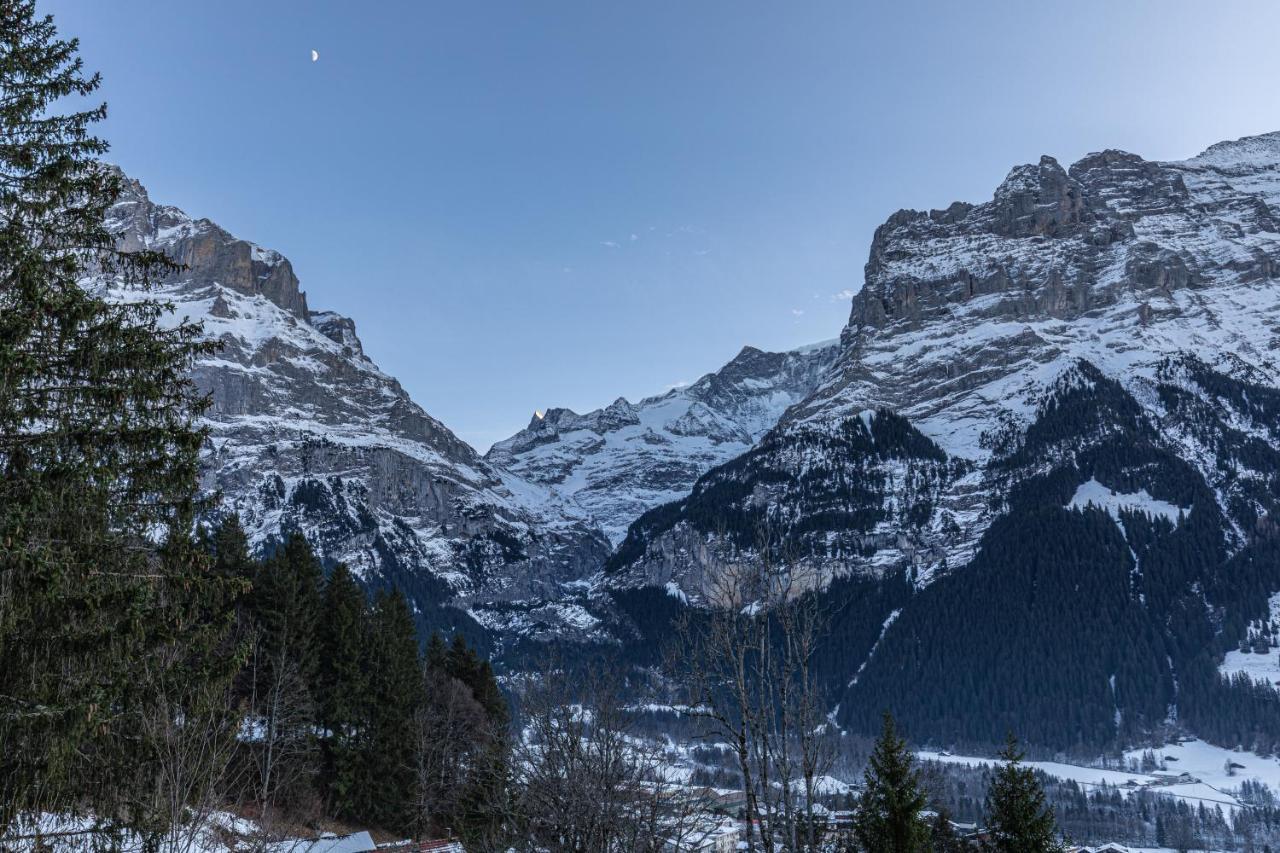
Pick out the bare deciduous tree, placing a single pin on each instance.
(587, 783)
(192, 738)
(451, 734)
(746, 663)
(278, 733)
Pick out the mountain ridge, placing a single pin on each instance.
(1089, 357)
(309, 435)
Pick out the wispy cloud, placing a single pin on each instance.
(797, 312)
(649, 232)
(843, 296)
(674, 385)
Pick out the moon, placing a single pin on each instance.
(315, 54)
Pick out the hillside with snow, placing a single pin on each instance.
(1055, 417)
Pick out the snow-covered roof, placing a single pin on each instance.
(358, 842)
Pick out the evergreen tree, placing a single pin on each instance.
(341, 687)
(98, 456)
(189, 720)
(284, 663)
(437, 654)
(386, 789)
(229, 546)
(232, 564)
(888, 817)
(286, 606)
(464, 752)
(465, 664)
(487, 784)
(1018, 818)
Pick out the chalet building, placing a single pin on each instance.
(724, 838)
(1173, 777)
(730, 802)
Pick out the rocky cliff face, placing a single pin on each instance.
(309, 434)
(967, 312)
(625, 459)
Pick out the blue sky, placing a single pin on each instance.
(532, 203)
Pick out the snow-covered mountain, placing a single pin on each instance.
(619, 461)
(1053, 427)
(309, 434)
(970, 317)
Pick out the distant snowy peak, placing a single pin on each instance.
(622, 460)
(756, 387)
(308, 434)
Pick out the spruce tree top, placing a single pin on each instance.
(888, 818)
(1018, 818)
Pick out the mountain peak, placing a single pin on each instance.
(1037, 200)
(208, 254)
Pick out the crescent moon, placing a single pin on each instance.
(315, 54)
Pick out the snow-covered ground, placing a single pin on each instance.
(1208, 763)
(1093, 493)
(1259, 667)
(220, 832)
(1210, 781)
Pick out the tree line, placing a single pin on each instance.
(342, 715)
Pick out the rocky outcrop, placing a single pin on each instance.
(1119, 260)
